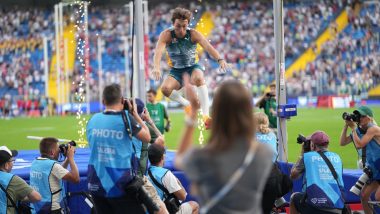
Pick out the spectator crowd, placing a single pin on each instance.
(347, 64)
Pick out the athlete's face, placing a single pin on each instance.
(180, 27)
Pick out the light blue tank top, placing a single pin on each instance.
(373, 157)
(271, 140)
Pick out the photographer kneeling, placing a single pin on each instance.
(371, 141)
(46, 175)
(13, 189)
(323, 178)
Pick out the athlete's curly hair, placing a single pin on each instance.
(182, 14)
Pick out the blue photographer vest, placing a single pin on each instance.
(137, 146)
(112, 161)
(322, 189)
(373, 157)
(40, 172)
(5, 179)
(158, 173)
(271, 140)
(181, 52)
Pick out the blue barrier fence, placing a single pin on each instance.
(78, 205)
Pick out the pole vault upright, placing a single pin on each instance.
(138, 24)
(280, 76)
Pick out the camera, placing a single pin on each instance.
(136, 188)
(64, 147)
(126, 104)
(355, 117)
(270, 95)
(357, 188)
(306, 142)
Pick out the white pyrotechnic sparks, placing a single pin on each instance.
(80, 26)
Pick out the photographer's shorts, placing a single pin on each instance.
(185, 208)
(303, 207)
(118, 205)
(151, 190)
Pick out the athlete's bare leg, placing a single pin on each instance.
(170, 89)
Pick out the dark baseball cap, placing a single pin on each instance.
(140, 105)
(319, 138)
(6, 154)
(364, 111)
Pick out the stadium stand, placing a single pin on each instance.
(347, 65)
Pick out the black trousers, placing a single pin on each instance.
(270, 194)
(117, 205)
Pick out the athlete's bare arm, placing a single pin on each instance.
(163, 39)
(197, 37)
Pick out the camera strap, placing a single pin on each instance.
(364, 155)
(128, 128)
(10, 199)
(127, 123)
(333, 172)
(157, 183)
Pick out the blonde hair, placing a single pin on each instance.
(262, 122)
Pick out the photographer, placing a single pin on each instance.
(346, 139)
(322, 193)
(164, 178)
(46, 176)
(142, 148)
(269, 104)
(371, 141)
(112, 164)
(15, 187)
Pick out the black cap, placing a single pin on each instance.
(6, 154)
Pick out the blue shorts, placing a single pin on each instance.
(177, 73)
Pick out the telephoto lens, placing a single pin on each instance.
(357, 188)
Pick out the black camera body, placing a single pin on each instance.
(270, 95)
(355, 117)
(64, 147)
(306, 143)
(126, 104)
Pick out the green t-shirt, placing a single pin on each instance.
(18, 189)
(271, 104)
(157, 113)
